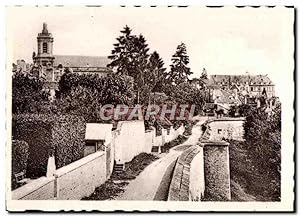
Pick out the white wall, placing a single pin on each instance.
(38, 189)
(71, 182)
(129, 140)
(80, 178)
(197, 180)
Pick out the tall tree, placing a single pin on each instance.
(180, 71)
(157, 73)
(130, 57)
(122, 54)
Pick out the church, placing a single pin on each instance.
(51, 67)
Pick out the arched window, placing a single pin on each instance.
(45, 47)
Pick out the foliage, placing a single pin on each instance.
(157, 73)
(85, 94)
(28, 94)
(185, 93)
(48, 134)
(179, 72)
(263, 138)
(19, 155)
(37, 134)
(130, 57)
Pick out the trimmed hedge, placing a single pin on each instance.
(20, 153)
(46, 135)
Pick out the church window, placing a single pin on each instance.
(45, 47)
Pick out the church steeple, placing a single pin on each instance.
(44, 55)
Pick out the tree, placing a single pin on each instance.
(85, 94)
(263, 139)
(28, 94)
(130, 57)
(81, 101)
(179, 72)
(154, 79)
(158, 72)
(123, 53)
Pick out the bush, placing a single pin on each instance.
(28, 94)
(20, 152)
(62, 136)
(85, 94)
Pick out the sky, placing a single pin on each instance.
(226, 40)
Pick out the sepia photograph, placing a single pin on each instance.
(160, 108)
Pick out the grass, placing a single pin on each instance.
(118, 180)
(179, 140)
(248, 181)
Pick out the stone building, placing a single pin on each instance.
(225, 91)
(51, 67)
(21, 66)
(250, 85)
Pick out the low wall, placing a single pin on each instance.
(167, 135)
(38, 189)
(225, 128)
(197, 180)
(72, 182)
(183, 186)
(202, 173)
(150, 140)
(80, 178)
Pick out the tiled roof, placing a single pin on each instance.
(240, 79)
(81, 61)
(226, 97)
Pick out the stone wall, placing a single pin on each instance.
(166, 136)
(216, 171)
(71, 182)
(38, 189)
(183, 187)
(202, 173)
(80, 178)
(226, 128)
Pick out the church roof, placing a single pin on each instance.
(81, 61)
(240, 79)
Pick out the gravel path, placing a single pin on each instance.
(146, 184)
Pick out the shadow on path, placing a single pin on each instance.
(163, 188)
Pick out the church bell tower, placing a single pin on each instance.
(44, 56)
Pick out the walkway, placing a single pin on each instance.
(146, 184)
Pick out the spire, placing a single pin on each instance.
(45, 30)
